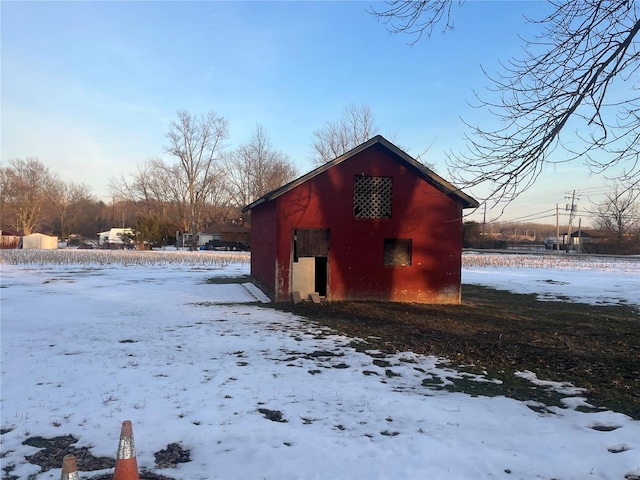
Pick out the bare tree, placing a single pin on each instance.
(27, 189)
(255, 168)
(216, 204)
(356, 126)
(70, 202)
(196, 143)
(157, 189)
(6, 187)
(152, 188)
(561, 85)
(619, 214)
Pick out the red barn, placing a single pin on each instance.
(373, 224)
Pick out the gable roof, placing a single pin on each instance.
(425, 173)
(37, 234)
(226, 228)
(590, 233)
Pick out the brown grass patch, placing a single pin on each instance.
(594, 347)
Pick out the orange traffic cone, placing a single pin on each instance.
(126, 463)
(69, 468)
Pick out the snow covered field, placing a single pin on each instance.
(87, 344)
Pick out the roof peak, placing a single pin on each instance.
(426, 173)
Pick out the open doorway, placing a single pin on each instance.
(310, 267)
(321, 276)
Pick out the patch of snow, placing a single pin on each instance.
(566, 388)
(256, 292)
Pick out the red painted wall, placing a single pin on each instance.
(420, 212)
(262, 240)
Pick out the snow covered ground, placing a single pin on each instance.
(584, 279)
(88, 345)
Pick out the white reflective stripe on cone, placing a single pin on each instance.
(69, 468)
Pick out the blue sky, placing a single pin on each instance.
(90, 87)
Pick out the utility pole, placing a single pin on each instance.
(580, 235)
(557, 230)
(573, 208)
(484, 223)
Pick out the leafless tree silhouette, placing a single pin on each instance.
(27, 186)
(356, 126)
(256, 168)
(196, 143)
(619, 214)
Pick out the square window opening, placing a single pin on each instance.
(397, 252)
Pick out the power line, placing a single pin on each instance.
(593, 190)
(528, 217)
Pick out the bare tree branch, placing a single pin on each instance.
(416, 18)
(356, 126)
(559, 91)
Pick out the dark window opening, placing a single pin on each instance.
(397, 252)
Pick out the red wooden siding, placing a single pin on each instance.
(263, 247)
